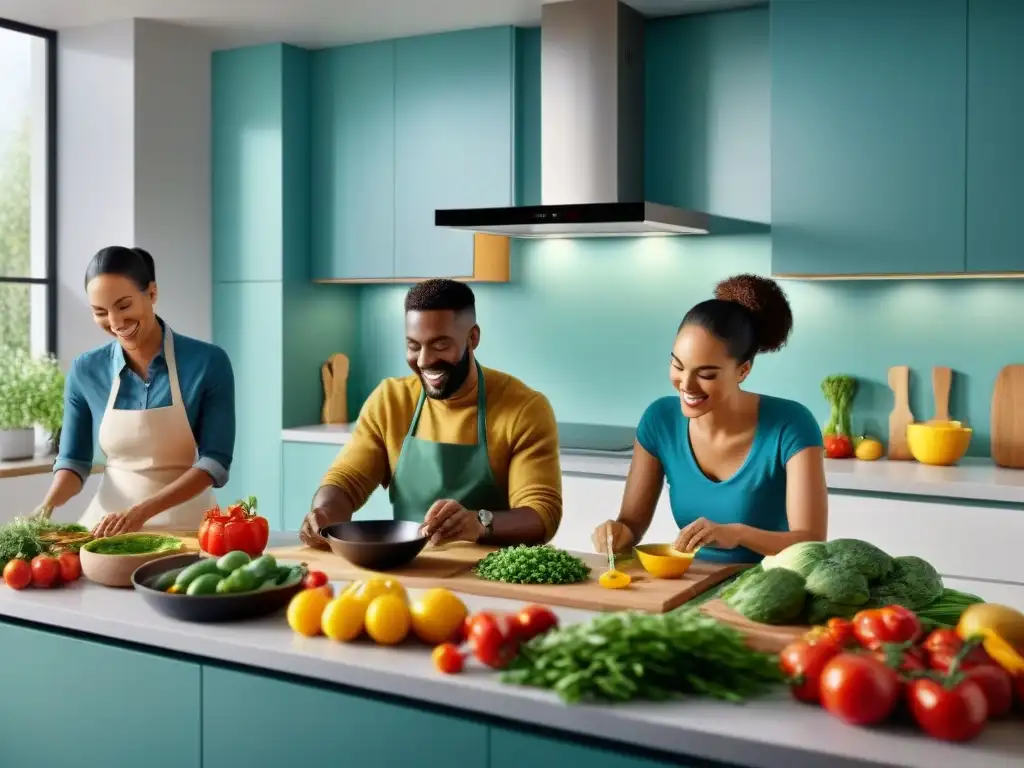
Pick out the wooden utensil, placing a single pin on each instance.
(1008, 418)
(766, 638)
(901, 415)
(942, 379)
(334, 374)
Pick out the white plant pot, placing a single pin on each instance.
(17, 444)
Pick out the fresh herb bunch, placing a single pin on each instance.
(25, 538)
(523, 564)
(630, 655)
(31, 391)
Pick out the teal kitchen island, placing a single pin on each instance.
(95, 678)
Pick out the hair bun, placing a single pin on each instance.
(765, 300)
(147, 259)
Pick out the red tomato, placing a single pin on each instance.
(892, 624)
(17, 574)
(448, 659)
(239, 529)
(941, 659)
(859, 690)
(841, 630)
(838, 447)
(997, 685)
(70, 566)
(903, 661)
(314, 579)
(952, 714)
(533, 620)
(1018, 686)
(491, 644)
(942, 639)
(45, 571)
(802, 663)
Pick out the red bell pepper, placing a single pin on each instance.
(237, 529)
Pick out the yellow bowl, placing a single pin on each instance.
(663, 562)
(939, 443)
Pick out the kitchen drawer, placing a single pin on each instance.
(512, 748)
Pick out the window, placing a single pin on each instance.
(28, 253)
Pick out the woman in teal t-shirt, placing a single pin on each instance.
(746, 472)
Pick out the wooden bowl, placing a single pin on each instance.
(117, 570)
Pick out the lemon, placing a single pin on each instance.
(868, 449)
(343, 618)
(305, 609)
(614, 580)
(387, 619)
(437, 614)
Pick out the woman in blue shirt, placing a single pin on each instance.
(746, 472)
(160, 406)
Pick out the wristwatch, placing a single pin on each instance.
(486, 518)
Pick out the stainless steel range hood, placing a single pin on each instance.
(592, 135)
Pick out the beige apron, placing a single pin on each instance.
(146, 451)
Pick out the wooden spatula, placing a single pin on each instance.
(942, 379)
(901, 415)
(335, 379)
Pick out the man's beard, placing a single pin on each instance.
(455, 377)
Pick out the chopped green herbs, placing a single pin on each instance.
(532, 565)
(134, 544)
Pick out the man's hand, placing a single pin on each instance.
(447, 520)
(309, 533)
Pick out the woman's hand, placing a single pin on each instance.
(705, 533)
(119, 522)
(622, 537)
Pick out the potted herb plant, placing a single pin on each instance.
(31, 394)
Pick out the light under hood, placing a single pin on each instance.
(592, 135)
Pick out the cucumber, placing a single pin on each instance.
(269, 583)
(165, 580)
(232, 561)
(205, 566)
(263, 567)
(287, 576)
(238, 581)
(205, 584)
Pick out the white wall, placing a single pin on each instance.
(134, 167)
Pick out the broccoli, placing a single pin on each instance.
(838, 583)
(839, 391)
(820, 610)
(912, 583)
(770, 597)
(861, 556)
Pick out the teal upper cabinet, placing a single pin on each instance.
(247, 163)
(869, 136)
(454, 97)
(353, 173)
(995, 149)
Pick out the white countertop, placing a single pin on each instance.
(775, 732)
(974, 479)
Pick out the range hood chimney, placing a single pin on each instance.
(592, 135)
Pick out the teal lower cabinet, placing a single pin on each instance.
(70, 701)
(511, 748)
(304, 467)
(319, 726)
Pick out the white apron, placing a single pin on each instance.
(146, 451)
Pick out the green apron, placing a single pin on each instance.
(428, 471)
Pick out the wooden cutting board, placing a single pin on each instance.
(901, 416)
(766, 638)
(1008, 418)
(431, 564)
(942, 381)
(645, 593)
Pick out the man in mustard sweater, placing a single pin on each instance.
(470, 452)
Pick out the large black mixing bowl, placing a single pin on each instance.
(377, 545)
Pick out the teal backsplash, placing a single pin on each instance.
(590, 323)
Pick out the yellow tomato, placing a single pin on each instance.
(352, 588)
(305, 609)
(373, 588)
(436, 615)
(343, 618)
(387, 619)
(868, 449)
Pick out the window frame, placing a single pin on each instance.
(50, 281)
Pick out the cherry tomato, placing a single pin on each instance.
(448, 659)
(533, 620)
(314, 579)
(491, 644)
(841, 630)
(838, 447)
(859, 690)
(803, 662)
(45, 571)
(941, 659)
(892, 624)
(898, 659)
(942, 639)
(70, 567)
(997, 685)
(17, 574)
(956, 713)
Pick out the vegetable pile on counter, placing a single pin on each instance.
(949, 682)
(811, 582)
(839, 391)
(628, 655)
(40, 553)
(232, 574)
(238, 528)
(524, 564)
